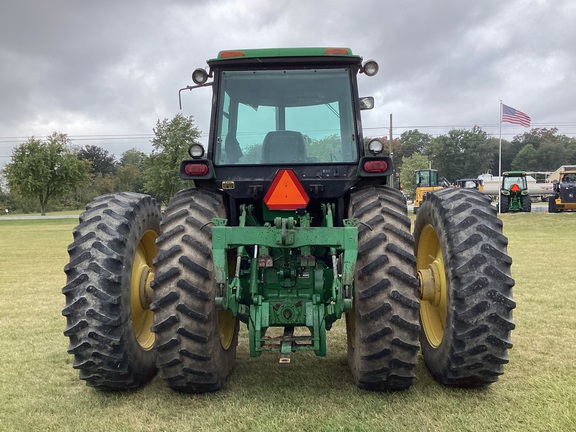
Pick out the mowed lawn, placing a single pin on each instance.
(40, 391)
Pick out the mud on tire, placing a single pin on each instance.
(196, 344)
(466, 331)
(383, 327)
(108, 326)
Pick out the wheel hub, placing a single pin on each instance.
(433, 287)
(145, 291)
(430, 289)
(141, 293)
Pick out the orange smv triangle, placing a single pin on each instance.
(286, 192)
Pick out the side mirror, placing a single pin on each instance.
(366, 103)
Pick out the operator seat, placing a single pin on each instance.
(283, 147)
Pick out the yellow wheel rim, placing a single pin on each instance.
(140, 291)
(226, 328)
(433, 290)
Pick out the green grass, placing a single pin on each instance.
(39, 389)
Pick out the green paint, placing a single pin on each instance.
(287, 276)
(279, 52)
(514, 198)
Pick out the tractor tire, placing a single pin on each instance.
(526, 204)
(552, 208)
(505, 204)
(466, 288)
(196, 343)
(108, 293)
(382, 327)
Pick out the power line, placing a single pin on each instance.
(124, 137)
(110, 140)
(17, 140)
(565, 126)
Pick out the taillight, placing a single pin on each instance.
(196, 169)
(375, 166)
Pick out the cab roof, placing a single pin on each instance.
(274, 55)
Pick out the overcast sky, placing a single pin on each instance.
(105, 71)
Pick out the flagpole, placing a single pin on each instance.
(500, 160)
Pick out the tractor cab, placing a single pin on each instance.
(514, 194)
(514, 181)
(426, 178)
(293, 109)
(426, 181)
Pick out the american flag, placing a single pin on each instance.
(512, 115)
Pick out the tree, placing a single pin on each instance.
(413, 141)
(130, 172)
(551, 148)
(134, 157)
(171, 142)
(571, 152)
(508, 155)
(103, 168)
(6, 200)
(462, 153)
(327, 148)
(407, 172)
(45, 170)
(551, 155)
(129, 178)
(535, 136)
(526, 159)
(102, 161)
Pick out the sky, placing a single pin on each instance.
(104, 72)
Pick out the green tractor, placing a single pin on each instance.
(289, 226)
(514, 196)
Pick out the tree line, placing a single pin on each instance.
(463, 153)
(54, 174)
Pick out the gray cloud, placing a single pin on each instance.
(114, 68)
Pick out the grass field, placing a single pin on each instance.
(39, 390)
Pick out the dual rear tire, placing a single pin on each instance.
(108, 316)
(196, 343)
(382, 327)
(124, 255)
(465, 288)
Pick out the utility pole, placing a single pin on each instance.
(391, 151)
